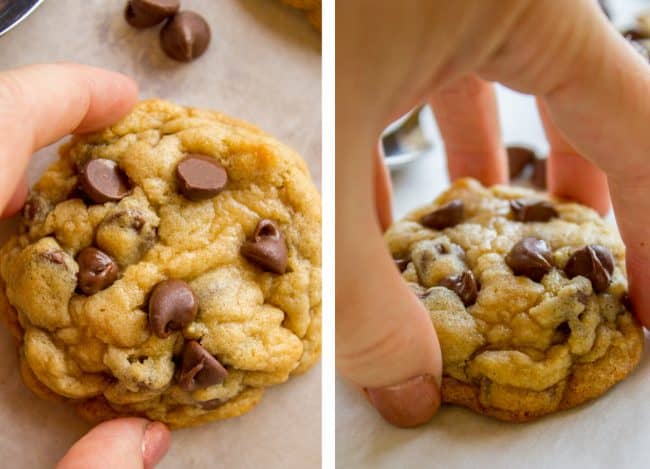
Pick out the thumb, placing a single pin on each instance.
(385, 341)
(127, 443)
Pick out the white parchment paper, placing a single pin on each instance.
(264, 66)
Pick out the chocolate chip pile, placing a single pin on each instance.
(185, 35)
(167, 267)
(527, 294)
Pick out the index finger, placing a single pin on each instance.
(40, 104)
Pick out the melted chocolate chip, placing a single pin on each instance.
(464, 285)
(593, 262)
(185, 36)
(532, 210)
(199, 368)
(97, 270)
(103, 181)
(200, 177)
(446, 216)
(518, 159)
(530, 257)
(268, 248)
(172, 306)
(401, 264)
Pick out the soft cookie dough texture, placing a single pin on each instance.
(520, 348)
(98, 351)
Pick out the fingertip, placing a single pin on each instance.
(155, 443)
(17, 200)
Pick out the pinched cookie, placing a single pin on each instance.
(167, 267)
(527, 295)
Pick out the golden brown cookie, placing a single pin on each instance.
(527, 295)
(168, 267)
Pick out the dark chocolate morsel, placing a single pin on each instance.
(446, 216)
(268, 248)
(532, 210)
(200, 177)
(594, 262)
(199, 368)
(530, 257)
(464, 285)
(97, 270)
(172, 306)
(103, 181)
(185, 36)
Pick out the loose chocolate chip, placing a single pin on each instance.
(401, 264)
(532, 210)
(172, 306)
(448, 215)
(538, 178)
(464, 285)
(97, 270)
(147, 13)
(268, 248)
(593, 262)
(200, 177)
(518, 159)
(103, 181)
(199, 369)
(185, 36)
(530, 257)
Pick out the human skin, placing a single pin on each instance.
(591, 89)
(39, 105)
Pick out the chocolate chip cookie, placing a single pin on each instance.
(167, 267)
(527, 295)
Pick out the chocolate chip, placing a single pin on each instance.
(401, 264)
(103, 181)
(172, 306)
(268, 248)
(199, 369)
(147, 13)
(530, 257)
(532, 210)
(185, 36)
(518, 158)
(538, 178)
(97, 270)
(448, 215)
(593, 262)
(464, 285)
(200, 177)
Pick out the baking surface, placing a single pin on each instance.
(610, 432)
(263, 66)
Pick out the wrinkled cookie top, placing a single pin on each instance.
(520, 287)
(170, 260)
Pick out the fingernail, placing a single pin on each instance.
(407, 404)
(155, 443)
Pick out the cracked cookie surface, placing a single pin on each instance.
(127, 286)
(527, 295)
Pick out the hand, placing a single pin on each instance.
(592, 92)
(38, 106)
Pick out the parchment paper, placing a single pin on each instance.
(612, 432)
(263, 65)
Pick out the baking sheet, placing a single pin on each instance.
(263, 65)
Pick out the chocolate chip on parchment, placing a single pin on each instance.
(200, 177)
(97, 270)
(103, 181)
(172, 306)
(147, 13)
(447, 215)
(464, 285)
(530, 257)
(518, 158)
(594, 262)
(532, 210)
(268, 248)
(185, 36)
(538, 178)
(199, 368)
